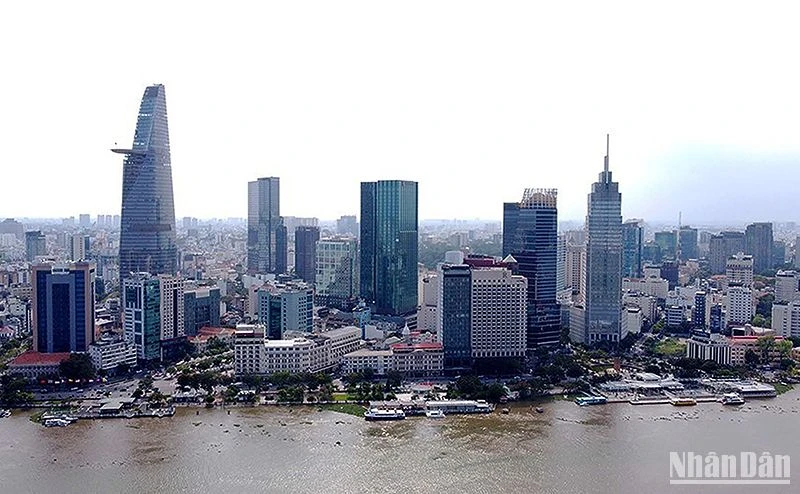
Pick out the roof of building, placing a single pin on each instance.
(366, 352)
(417, 346)
(36, 358)
(212, 331)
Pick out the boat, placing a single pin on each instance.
(590, 400)
(434, 414)
(384, 414)
(4, 413)
(505, 411)
(732, 399)
(539, 410)
(683, 402)
(56, 423)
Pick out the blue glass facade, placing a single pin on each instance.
(632, 244)
(604, 260)
(305, 257)
(263, 223)
(389, 246)
(200, 309)
(147, 235)
(63, 308)
(530, 235)
(455, 313)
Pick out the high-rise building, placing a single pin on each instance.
(561, 263)
(35, 245)
(632, 242)
(797, 252)
(78, 246)
(347, 225)
(687, 243)
(603, 276)
(84, 220)
(721, 247)
(389, 246)
(778, 253)
(147, 237)
(12, 226)
(530, 235)
(285, 307)
(758, 243)
(498, 319)
(263, 224)
(699, 310)
(739, 307)
(739, 269)
(786, 319)
(455, 312)
(668, 242)
(153, 312)
(336, 280)
(141, 304)
(63, 307)
(282, 249)
(305, 256)
(574, 269)
(201, 309)
(787, 286)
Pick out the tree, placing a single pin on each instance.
(78, 366)
(784, 348)
(765, 345)
(394, 379)
(751, 358)
(495, 392)
(157, 398)
(12, 391)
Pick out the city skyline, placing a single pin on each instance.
(437, 107)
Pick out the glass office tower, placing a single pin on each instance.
(389, 246)
(147, 237)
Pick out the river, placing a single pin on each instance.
(566, 449)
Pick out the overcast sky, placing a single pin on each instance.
(474, 100)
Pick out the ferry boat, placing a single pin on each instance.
(683, 402)
(56, 423)
(461, 406)
(590, 400)
(384, 414)
(434, 414)
(732, 399)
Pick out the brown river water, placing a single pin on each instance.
(603, 449)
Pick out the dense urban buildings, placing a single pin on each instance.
(263, 226)
(389, 246)
(63, 307)
(147, 237)
(600, 318)
(530, 235)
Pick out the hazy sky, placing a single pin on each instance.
(475, 100)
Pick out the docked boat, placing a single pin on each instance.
(505, 411)
(732, 399)
(4, 413)
(460, 406)
(434, 414)
(539, 410)
(56, 423)
(590, 400)
(683, 402)
(384, 414)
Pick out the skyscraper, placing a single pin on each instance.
(147, 237)
(687, 243)
(721, 247)
(758, 243)
(632, 242)
(153, 313)
(603, 293)
(35, 245)
(305, 248)
(336, 280)
(263, 222)
(63, 307)
(668, 242)
(347, 225)
(530, 235)
(455, 312)
(389, 248)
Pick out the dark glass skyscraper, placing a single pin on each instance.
(530, 235)
(604, 260)
(389, 248)
(305, 252)
(263, 222)
(63, 307)
(758, 243)
(687, 243)
(147, 237)
(632, 242)
(455, 314)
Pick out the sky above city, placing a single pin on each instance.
(474, 100)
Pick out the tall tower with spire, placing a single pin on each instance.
(147, 236)
(603, 274)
